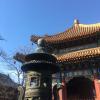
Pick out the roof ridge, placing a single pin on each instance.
(88, 25)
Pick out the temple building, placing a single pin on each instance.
(77, 50)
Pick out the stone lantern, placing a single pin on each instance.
(38, 69)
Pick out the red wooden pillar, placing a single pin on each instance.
(52, 94)
(62, 91)
(97, 89)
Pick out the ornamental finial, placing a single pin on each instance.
(76, 21)
(41, 46)
(41, 42)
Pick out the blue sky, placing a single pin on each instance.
(19, 19)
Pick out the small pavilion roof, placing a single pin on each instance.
(76, 32)
(80, 55)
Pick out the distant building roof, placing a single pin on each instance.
(7, 81)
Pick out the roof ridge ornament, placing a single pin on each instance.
(43, 47)
(41, 43)
(76, 21)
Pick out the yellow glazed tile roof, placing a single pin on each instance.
(76, 32)
(79, 55)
